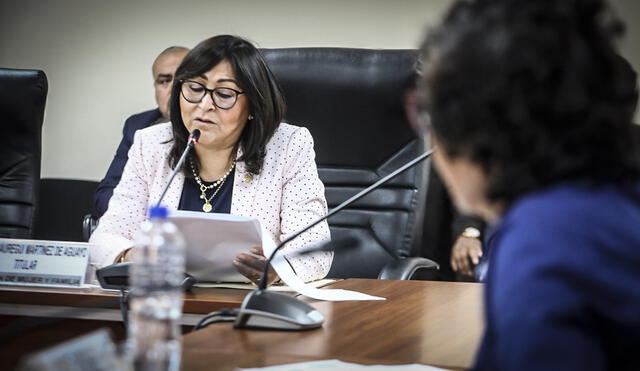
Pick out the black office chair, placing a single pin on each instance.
(62, 207)
(23, 95)
(352, 102)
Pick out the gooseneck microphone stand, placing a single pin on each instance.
(268, 309)
(191, 141)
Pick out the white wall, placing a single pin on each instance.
(97, 53)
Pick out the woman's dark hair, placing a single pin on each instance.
(266, 101)
(534, 92)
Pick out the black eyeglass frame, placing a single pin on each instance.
(210, 91)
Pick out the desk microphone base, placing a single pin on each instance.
(262, 309)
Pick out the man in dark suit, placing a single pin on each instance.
(163, 69)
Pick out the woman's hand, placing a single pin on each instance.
(252, 266)
(465, 254)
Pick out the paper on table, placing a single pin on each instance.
(281, 287)
(334, 364)
(286, 274)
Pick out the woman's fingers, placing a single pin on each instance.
(257, 251)
(252, 274)
(252, 267)
(255, 262)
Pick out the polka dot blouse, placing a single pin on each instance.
(286, 196)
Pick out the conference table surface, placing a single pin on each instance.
(435, 323)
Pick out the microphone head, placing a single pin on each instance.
(195, 135)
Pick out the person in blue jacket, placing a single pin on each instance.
(163, 69)
(530, 108)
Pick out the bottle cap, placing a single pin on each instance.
(158, 212)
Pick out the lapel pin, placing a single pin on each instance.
(248, 178)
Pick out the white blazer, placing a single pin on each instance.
(286, 195)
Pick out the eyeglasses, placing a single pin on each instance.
(223, 98)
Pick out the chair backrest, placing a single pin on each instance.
(352, 102)
(23, 95)
(62, 208)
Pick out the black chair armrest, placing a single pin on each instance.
(89, 224)
(404, 269)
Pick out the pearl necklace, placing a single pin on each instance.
(207, 207)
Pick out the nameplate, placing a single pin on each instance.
(43, 263)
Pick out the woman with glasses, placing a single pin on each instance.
(531, 109)
(246, 162)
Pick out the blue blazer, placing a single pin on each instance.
(111, 180)
(563, 285)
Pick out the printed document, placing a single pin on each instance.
(213, 240)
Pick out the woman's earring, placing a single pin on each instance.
(250, 117)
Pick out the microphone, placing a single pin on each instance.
(191, 141)
(271, 310)
(359, 195)
(116, 276)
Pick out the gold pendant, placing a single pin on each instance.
(207, 207)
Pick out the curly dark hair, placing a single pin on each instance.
(266, 100)
(534, 92)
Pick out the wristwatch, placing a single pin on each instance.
(471, 232)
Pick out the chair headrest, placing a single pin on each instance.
(347, 97)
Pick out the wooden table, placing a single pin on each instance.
(95, 303)
(33, 318)
(436, 323)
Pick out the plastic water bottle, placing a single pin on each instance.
(155, 298)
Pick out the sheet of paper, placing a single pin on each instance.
(250, 286)
(213, 242)
(334, 364)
